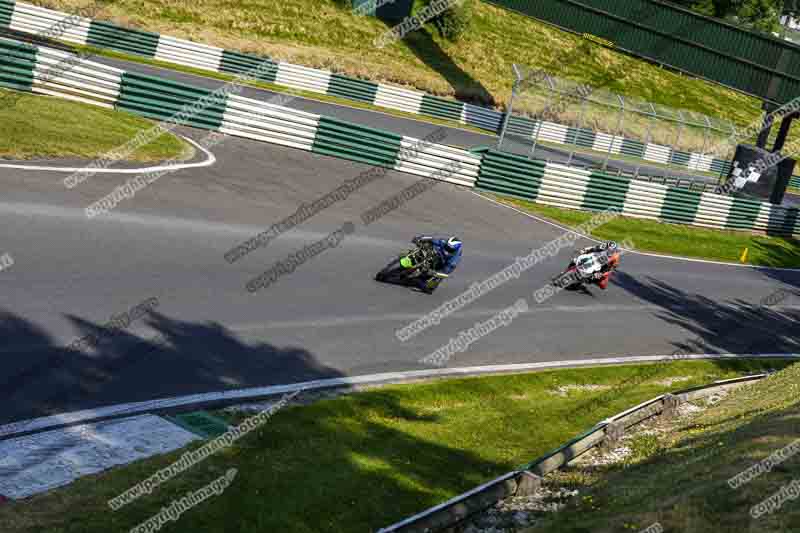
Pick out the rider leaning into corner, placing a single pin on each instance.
(449, 252)
(609, 258)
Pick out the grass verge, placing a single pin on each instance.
(681, 479)
(326, 34)
(676, 239)
(39, 126)
(361, 461)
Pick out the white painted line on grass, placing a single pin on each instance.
(210, 160)
(648, 254)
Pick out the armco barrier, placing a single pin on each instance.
(795, 182)
(57, 73)
(528, 478)
(530, 129)
(563, 186)
(682, 182)
(23, 17)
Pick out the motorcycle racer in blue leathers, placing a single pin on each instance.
(449, 252)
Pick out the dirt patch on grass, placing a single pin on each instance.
(564, 390)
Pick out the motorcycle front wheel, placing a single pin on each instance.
(431, 286)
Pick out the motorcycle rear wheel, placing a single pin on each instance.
(391, 271)
(557, 281)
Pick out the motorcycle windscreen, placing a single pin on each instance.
(587, 265)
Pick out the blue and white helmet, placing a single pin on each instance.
(453, 245)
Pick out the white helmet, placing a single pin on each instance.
(453, 244)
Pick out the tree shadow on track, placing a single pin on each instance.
(733, 326)
(780, 252)
(325, 468)
(41, 378)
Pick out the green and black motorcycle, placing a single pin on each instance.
(408, 268)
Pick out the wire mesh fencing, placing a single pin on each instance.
(546, 111)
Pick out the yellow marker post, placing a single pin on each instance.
(744, 256)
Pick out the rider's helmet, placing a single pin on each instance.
(453, 245)
(611, 254)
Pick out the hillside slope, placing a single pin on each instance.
(682, 481)
(325, 34)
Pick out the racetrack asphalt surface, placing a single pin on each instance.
(329, 318)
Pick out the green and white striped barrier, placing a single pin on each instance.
(794, 181)
(53, 72)
(563, 186)
(56, 73)
(28, 18)
(405, 154)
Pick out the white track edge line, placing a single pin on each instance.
(648, 254)
(210, 160)
(88, 415)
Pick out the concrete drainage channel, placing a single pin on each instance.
(528, 479)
